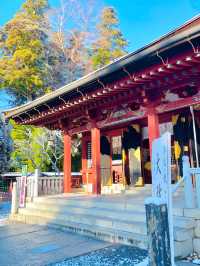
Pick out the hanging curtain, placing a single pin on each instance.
(105, 161)
(125, 158)
(181, 129)
(132, 148)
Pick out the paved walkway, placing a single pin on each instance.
(28, 245)
(32, 245)
(4, 212)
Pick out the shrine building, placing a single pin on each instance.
(121, 108)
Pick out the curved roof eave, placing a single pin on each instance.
(165, 42)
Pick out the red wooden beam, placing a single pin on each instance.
(141, 77)
(67, 163)
(153, 126)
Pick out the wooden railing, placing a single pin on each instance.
(49, 183)
(190, 186)
(44, 185)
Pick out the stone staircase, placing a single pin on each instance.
(113, 218)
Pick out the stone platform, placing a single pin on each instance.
(113, 218)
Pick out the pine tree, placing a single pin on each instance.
(111, 44)
(24, 57)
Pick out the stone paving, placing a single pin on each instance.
(4, 212)
(28, 245)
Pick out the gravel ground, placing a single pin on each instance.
(115, 255)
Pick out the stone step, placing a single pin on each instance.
(192, 213)
(98, 203)
(115, 224)
(129, 216)
(111, 217)
(94, 203)
(184, 222)
(99, 232)
(102, 212)
(182, 234)
(183, 246)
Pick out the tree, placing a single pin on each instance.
(25, 58)
(28, 68)
(30, 147)
(40, 148)
(111, 44)
(73, 31)
(55, 149)
(5, 146)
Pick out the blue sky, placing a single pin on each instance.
(141, 21)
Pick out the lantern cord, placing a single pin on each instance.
(62, 100)
(37, 110)
(47, 106)
(126, 71)
(101, 83)
(28, 114)
(19, 118)
(195, 50)
(80, 92)
(162, 60)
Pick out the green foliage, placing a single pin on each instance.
(30, 147)
(35, 8)
(5, 146)
(22, 51)
(32, 63)
(111, 44)
(37, 148)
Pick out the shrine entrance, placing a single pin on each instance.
(121, 165)
(125, 152)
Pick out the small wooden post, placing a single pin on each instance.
(15, 205)
(158, 233)
(188, 188)
(35, 187)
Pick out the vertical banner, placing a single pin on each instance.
(22, 186)
(161, 178)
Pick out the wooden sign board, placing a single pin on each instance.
(161, 178)
(22, 186)
(161, 167)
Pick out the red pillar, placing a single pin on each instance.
(84, 159)
(153, 127)
(96, 160)
(67, 163)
